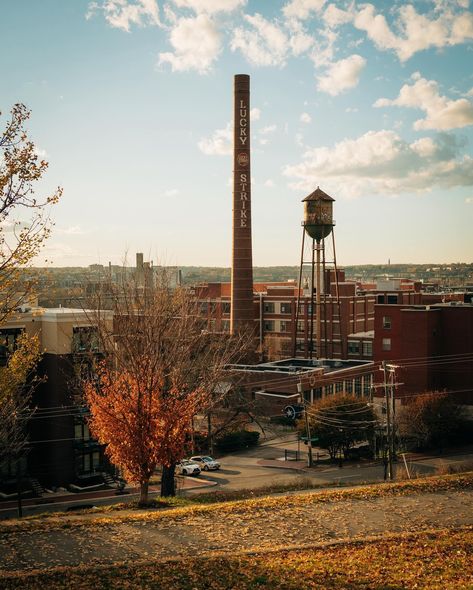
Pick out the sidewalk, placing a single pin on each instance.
(184, 483)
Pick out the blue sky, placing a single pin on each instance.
(132, 103)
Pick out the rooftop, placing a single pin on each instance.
(296, 365)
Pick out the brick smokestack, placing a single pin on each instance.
(242, 312)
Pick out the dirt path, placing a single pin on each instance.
(225, 530)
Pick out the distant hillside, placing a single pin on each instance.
(446, 273)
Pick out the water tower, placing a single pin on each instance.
(318, 224)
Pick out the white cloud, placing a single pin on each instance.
(425, 147)
(121, 14)
(210, 6)
(301, 9)
(196, 42)
(351, 110)
(299, 40)
(341, 75)
(335, 17)
(265, 44)
(268, 183)
(417, 32)
(219, 143)
(323, 49)
(469, 200)
(171, 192)
(268, 129)
(305, 118)
(255, 114)
(441, 113)
(383, 163)
(299, 139)
(73, 230)
(40, 152)
(8, 226)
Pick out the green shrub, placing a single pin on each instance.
(234, 441)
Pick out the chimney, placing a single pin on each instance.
(242, 310)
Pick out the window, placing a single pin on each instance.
(367, 348)
(353, 347)
(85, 339)
(380, 298)
(226, 307)
(300, 326)
(285, 326)
(8, 343)
(358, 386)
(392, 299)
(204, 307)
(329, 389)
(89, 462)
(81, 429)
(269, 326)
(349, 386)
(339, 387)
(387, 322)
(386, 344)
(317, 393)
(285, 308)
(269, 307)
(225, 326)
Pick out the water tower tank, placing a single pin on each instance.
(318, 214)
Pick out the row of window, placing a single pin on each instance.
(270, 326)
(366, 347)
(359, 386)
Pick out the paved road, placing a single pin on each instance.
(294, 521)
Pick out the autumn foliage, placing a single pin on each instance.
(24, 217)
(161, 368)
(143, 424)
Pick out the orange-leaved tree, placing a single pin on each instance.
(161, 368)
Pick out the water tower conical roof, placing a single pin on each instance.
(318, 195)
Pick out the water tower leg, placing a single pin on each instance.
(317, 295)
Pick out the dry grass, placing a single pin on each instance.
(435, 560)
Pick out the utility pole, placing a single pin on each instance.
(388, 421)
(392, 379)
(307, 425)
(210, 437)
(371, 404)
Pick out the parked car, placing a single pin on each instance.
(186, 467)
(206, 463)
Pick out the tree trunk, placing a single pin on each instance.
(144, 493)
(167, 481)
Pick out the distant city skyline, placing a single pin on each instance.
(132, 105)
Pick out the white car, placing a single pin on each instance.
(206, 463)
(186, 467)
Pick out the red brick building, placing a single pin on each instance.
(347, 321)
(432, 346)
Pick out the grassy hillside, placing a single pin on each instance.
(421, 557)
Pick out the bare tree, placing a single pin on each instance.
(161, 368)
